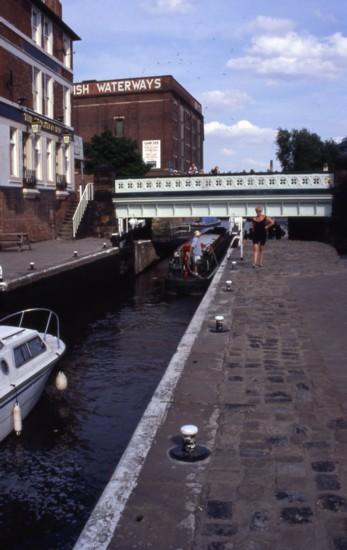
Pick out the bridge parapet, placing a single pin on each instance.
(225, 182)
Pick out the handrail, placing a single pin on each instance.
(87, 195)
(36, 310)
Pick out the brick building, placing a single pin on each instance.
(157, 112)
(36, 135)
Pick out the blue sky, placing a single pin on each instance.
(255, 65)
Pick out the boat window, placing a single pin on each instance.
(27, 351)
(4, 366)
(36, 346)
(21, 355)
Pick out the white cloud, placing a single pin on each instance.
(234, 99)
(227, 152)
(242, 129)
(168, 6)
(252, 163)
(265, 23)
(294, 54)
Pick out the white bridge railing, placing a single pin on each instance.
(86, 196)
(227, 182)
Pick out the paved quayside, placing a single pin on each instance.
(269, 398)
(50, 258)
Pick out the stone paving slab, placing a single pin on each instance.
(269, 399)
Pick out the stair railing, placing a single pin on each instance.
(85, 198)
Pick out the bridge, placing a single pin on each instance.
(224, 196)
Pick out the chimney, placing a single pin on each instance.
(55, 6)
(271, 165)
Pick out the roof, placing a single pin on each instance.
(6, 331)
(54, 17)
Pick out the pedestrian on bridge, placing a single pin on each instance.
(261, 224)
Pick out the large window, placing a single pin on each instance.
(47, 35)
(50, 160)
(14, 152)
(119, 127)
(27, 148)
(37, 90)
(67, 106)
(67, 163)
(38, 157)
(47, 96)
(67, 52)
(36, 32)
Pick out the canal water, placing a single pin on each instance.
(119, 343)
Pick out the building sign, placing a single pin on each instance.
(78, 147)
(117, 86)
(151, 153)
(36, 120)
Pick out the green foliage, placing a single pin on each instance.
(301, 150)
(119, 155)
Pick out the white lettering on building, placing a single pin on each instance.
(118, 86)
(81, 89)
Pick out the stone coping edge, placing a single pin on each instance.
(102, 523)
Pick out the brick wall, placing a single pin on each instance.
(55, 6)
(15, 78)
(18, 12)
(147, 116)
(41, 217)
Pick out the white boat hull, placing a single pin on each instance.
(27, 396)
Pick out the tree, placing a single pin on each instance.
(284, 148)
(301, 150)
(119, 155)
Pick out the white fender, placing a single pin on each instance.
(17, 419)
(61, 381)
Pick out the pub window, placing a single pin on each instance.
(36, 26)
(50, 160)
(38, 157)
(67, 51)
(67, 106)
(14, 157)
(119, 127)
(37, 90)
(27, 149)
(67, 163)
(47, 35)
(47, 96)
(59, 170)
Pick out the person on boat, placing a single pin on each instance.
(197, 250)
(261, 224)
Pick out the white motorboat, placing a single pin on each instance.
(27, 357)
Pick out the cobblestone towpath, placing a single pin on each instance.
(269, 398)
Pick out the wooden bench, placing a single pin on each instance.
(8, 240)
